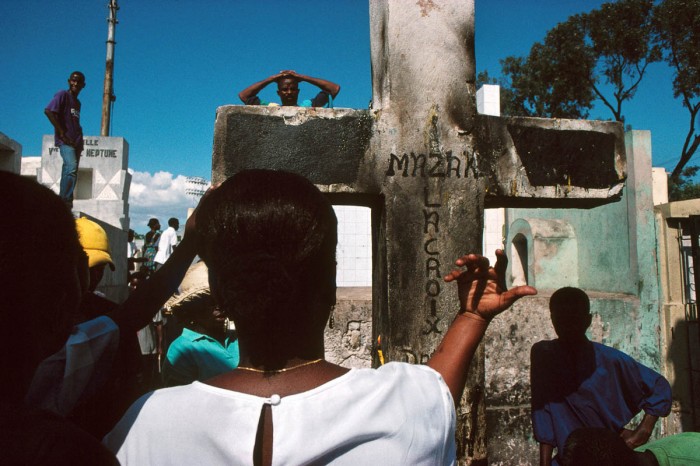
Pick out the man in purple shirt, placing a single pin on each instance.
(64, 114)
(578, 383)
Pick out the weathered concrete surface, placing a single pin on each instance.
(507, 380)
(325, 145)
(31, 167)
(10, 154)
(551, 245)
(533, 160)
(349, 342)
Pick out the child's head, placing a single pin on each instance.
(596, 446)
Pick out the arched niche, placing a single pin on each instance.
(543, 253)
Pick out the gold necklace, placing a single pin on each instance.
(277, 371)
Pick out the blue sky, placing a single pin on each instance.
(176, 61)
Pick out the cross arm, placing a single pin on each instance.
(537, 162)
(325, 145)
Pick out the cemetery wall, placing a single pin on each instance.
(349, 342)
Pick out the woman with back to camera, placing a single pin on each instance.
(269, 240)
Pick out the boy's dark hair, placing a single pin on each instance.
(570, 299)
(172, 222)
(269, 240)
(596, 446)
(570, 311)
(79, 73)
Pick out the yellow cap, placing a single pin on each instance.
(94, 240)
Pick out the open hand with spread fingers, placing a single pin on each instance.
(482, 289)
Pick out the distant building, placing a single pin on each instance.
(10, 154)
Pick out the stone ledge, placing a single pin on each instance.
(531, 160)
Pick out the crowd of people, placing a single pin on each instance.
(245, 378)
(274, 390)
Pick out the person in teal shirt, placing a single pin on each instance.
(207, 346)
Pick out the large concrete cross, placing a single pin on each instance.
(427, 164)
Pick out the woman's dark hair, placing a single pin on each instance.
(39, 257)
(39, 243)
(269, 239)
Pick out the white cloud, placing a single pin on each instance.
(161, 195)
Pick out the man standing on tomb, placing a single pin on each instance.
(288, 90)
(64, 114)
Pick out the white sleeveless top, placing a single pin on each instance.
(399, 414)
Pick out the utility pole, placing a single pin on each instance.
(108, 96)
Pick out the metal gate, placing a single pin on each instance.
(689, 243)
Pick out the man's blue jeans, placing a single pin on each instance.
(69, 173)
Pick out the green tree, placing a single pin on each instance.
(620, 36)
(554, 80)
(583, 57)
(683, 187)
(677, 27)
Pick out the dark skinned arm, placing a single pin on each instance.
(327, 86)
(482, 296)
(138, 310)
(53, 118)
(546, 451)
(640, 435)
(255, 88)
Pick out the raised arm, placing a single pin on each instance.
(482, 296)
(138, 310)
(255, 88)
(327, 86)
